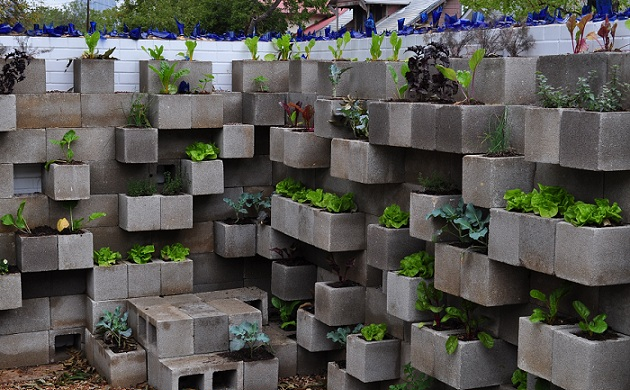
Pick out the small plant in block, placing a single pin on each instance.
(115, 332)
(175, 252)
(141, 254)
(105, 257)
(248, 338)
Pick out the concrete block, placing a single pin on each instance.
(381, 85)
(176, 277)
(23, 146)
(206, 111)
(324, 109)
(614, 301)
(486, 179)
(169, 331)
(305, 150)
(94, 144)
(244, 72)
(276, 143)
(293, 282)
(339, 379)
(420, 205)
(387, 246)
(579, 363)
(462, 127)
(311, 363)
(24, 349)
(144, 279)
(135, 145)
(176, 212)
(35, 77)
(373, 361)
(304, 223)
(137, 308)
(311, 333)
(285, 350)
(268, 238)
(107, 283)
(75, 250)
(262, 109)
(210, 327)
(234, 240)
(251, 172)
(208, 371)
(8, 110)
(303, 76)
(376, 313)
(6, 175)
(107, 177)
(391, 124)
(36, 111)
(60, 340)
(237, 311)
(261, 374)
(253, 296)
(199, 239)
(93, 76)
(11, 291)
(149, 81)
(170, 111)
(106, 203)
(232, 107)
(504, 237)
(401, 298)
(209, 268)
(105, 109)
(339, 232)
(537, 243)
(584, 185)
(448, 268)
(123, 369)
(324, 87)
(139, 213)
(362, 162)
(68, 311)
(542, 135)
(203, 177)
(236, 141)
(94, 310)
(33, 316)
(36, 253)
(336, 306)
(66, 182)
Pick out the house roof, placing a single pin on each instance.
(388, 2)
(411, 13)
(345, 17)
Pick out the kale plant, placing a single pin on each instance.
(340, 335)
(115, 331)
(247, 335)
(465, 222)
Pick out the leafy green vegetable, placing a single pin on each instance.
(519, 379)
(597, 325)
(419, 264)
(201, 151)
(140, 254)
(340, 335)
(190, 50)
(375, 46)
(471, 326)
(551, 303)
(394, 217)
(168, 76)
(247, 335)
(547, 202)
(341, 43)
(465, 222)
(18, 221)
(464, 78)
(288, 187)
(374, 332)
(602, 213)
(155, 53)
(176, 252)
(105, 257)
(396, 43)
(114, 329)
(288, 311)
(414, 379)
(64, 143)
(252, 46)
(430, 299)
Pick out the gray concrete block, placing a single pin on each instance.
(401, 298)
(199, 239)
(254, 171)
(537, 243)
(339, 232)
(208, 268)
(448, 268)
(24, 349)
(23, 146)
(285, 349)
(234, 240)
(268, 238)
(237, 311)
(119, 369)
(305, 150)
(486, 179)
(387, 246)
(420, 205)
(261, 374)
(67, 182)
(236, 141)
(35, 77)
(36, 111)
(362, 162)
(324, 109)
(107, 177)
(139, 213)
(376, 313)
(276, 143)
(381, 85)
(311, 333)
(253, 296)
(339, 379)
(244, 72)
(232, 106)
(144, 279)
(170, 111)
(504, 237)
(210, 327)
(60, 340)
(324, 86)
(391, 123)
(8, 110)
(68, 311)
(293, 282)
(169, 331)
(336, 306)
(33, 316)
(462, 127)
(176, 277)
(93, 76)
(373, 361)
(542, 135)
(303, 76)
(262, 109)
(208, 371)
(206, 111)
(94, 310)
(581, 364)
(94, 144)
(203, 177)
(36, 253)
(35, 211)
(11, 291)
(137, 308)
(303, 221)
(105, 109)
(176, 212)
(106, 203)
(136, 145)
(75, 250)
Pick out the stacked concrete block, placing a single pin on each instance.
(387, 246)
(262, 109)
(105, 109)
(209, 371)
(119, 369)
(236, 141)
(67, 181)
(284, 349)
(6, 175)
(537, 243)
(293, 282)
(245, 71)
(267, 238)
(150, 82)
(144, 280)
(324, 86)
(74, 251)
(311, 333)
(95, 309)
(60, 340)
(169, 331)
(210, 327)
(324, 109)
(336, 306)
(39, 111)
(420, 205)
(304, 150)
(461, 128)
(238, 312)
(24, 349)
(176, 277)
(35, 77)
(8, 111)
(202, 177)
(251, 295)
(138, 213)
(359, 161)
(232, 107)
(136, 145)
(504, 236)
(36, 253)
(276, 143)
(68, 311)
(234, 240)
(338, 378)
(402, 295)
(376, 313)
(107, 283)
(176, 212)
(303, 76)
(206, 111)
(93, 75)
(170, 111)
(11, 291)
(542, 138)
(260, 374)
(373, 361)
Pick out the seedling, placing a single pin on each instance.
(176, 252)
(341, 43)
(75, 224)
(261, 83)
(105, 257)
(252, 46)
(144, 187)
(18, 221)
(208, 78)
(430, 299)
(64, 143)
(309, 46)
(414, 380)
(375, 47)
(168, 76)
(402, 89)
(137, 116)
(141, 254)
(155, 53)
(597, 325)
(283, 46)
(471, 326)
(247, 335)
(334, 76)
(465, 78)
(551, 303)
(396, 43)
(190, 50)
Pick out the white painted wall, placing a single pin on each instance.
(550, 39)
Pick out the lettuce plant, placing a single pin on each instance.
(547, 201)
(288, 187)
(175, 252)
(394, 217)
(105, 257)
(471, 324)
(141, 254)
(419, 264)
(247, 335)
(374, 332)
(597, 325)
(550, 315)
(600, 214)
(18, 221)
(201, 151)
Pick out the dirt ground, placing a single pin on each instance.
(76, 374)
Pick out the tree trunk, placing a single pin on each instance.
(256, 19)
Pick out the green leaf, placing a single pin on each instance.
(447, 72)
(582, 310)
(476, 59)
(451, 344)
(464, 78)
(486, 339)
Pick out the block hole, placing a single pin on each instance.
(27, 178)
(152, 335)
(191, 382)
(64, 343)
(224, 380)
(142, 328)
(257, 303)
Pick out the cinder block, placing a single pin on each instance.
(199, 239)
(420, 205)
(209, 371)
(206, 111)
(293, 282)
(373, 361)
(324, 87)
(236, 141)
(105, 109)
(68, 311)
(253, 296)
(106, 283)
(311, 333)
(339, 379)
(262, 109)
(176, 212)
(244, 72)
(203, 177)
(336, 306)
(93, 76)
(232, 107)
(584, 185)
(268, 238)
(67, 182)
(106, 203)
(542, 135)
(11, 291)
(35, 77)
(614, 301)
(537, 243)
(169, 331)
(461, 128)
(401, 298)
(75, 250)
(210, 327)
(387, 246)
(391, 123)
(8, 110)
(176, 277)
(139, 213)
(60, 340)
(339, 232)
(24, 349)
(324, 109)
(33, 316)
(285, 350)
(381, 85)
(144, 279)
(94, 310)
(448, 268)
(170, 111)
(248, 172)
(94, 144)
(208, 268)
(305, 150)
(232, 240)
(504, 237)
(36, 111)
(119, 369)
(376, 313)
(136, 145)
(36, 253)
(362, 162)
(23, 146)
(107, 177)
(311, 363)
(276, 143)
(237, 312)
(261, 374)
(303, 76)
(138, 316)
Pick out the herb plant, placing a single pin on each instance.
(18, 221)
(141, 254)
(4, 267)
(353, 114)
(190, 50)
(75, 224)
(600, 214)
(402, 89)
(334, 75)
(144, 187)
(430, 299)
(465, 78)
(341, 42)
(64, 143)
(374, 332)
(201, 151)
(173, 183)
(261, 83)
(252, 46)
(13, 70)
(105, 257)
(176, 252)
(394, 217)
(115, 331)
(414, 380)
(288, 311)
(465, 222)
(155, 53)
(375, 47)
(498, 138)
(396, 43)
(426, 84)
(247, 335)
(340, 335)
(550, 315)
(137, 116)
(419, 264)
(597, 325)
(168, 76)
(471, 324)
